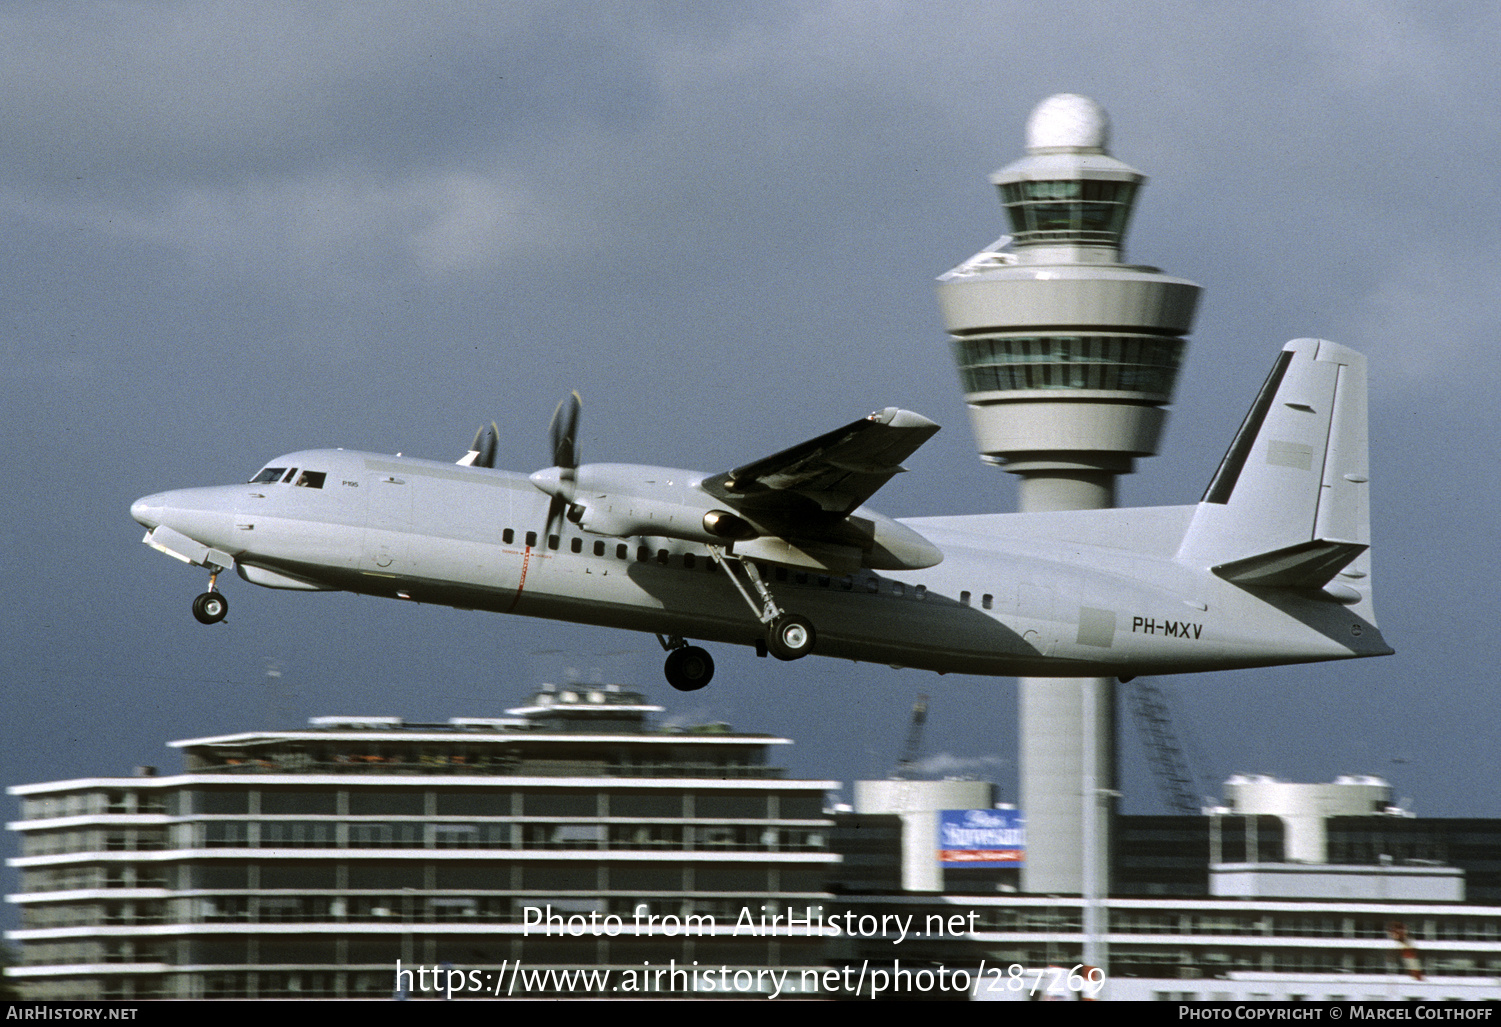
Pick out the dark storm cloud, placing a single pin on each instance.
(230, 231)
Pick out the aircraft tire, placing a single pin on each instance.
(210, 608)
(690, 668)
(791, 637)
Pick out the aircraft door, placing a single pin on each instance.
(1036, 612)
(388, 526)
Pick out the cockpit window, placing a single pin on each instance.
(269, 475)
(311, 479)
(290, 474)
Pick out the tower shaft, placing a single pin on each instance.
(1068, 357)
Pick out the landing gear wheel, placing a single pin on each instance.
(210, 608)
(690, 668)
(791, 637)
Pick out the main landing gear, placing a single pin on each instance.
(788, 635)
(211, 607)
(688, 667)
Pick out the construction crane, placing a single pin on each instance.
(912, 751)
(1154, 720)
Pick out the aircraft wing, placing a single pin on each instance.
(832, 474)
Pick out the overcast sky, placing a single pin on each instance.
(234, 230)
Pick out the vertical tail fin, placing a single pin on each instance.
(1289, 504)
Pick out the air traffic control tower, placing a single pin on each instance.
(1067, 356)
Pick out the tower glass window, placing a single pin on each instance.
(1068, 211)
(1144, 365)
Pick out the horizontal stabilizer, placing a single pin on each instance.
(1305, 565)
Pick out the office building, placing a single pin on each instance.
(305, 863)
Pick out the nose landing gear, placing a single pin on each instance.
(211, 607)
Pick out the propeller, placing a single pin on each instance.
(559, 480)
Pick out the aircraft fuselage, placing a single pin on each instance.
(1066, 595)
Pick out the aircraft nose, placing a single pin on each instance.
(147, 510)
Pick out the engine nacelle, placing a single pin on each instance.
(725, 525)
(623, 501)
(624, 516)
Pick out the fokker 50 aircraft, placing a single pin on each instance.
(1271, 567)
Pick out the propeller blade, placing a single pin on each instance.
(487, 446)
(482, 449)
(555, 511)
(564, 429)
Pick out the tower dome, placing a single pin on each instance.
(1068, 121)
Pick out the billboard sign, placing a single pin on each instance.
(982, 838)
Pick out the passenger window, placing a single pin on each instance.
(553, 541)
(781, 574)
(688, 561)
(312, 479)
(823, 581)
(622, 551)
(531, 538)
(846, 582)
(599, 548)
(921, 591)
(898, 589)
(800, 578)
(987, 600)
(873, 585)
(577, 545)
(643, 554)
(964, 598)
(662, 557)
(508, 536)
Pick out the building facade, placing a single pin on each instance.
(306, 863)
(1288, 891)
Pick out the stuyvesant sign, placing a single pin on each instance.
(982, 837)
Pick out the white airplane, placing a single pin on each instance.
(1271, 567)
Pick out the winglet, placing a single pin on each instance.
(896, 417)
